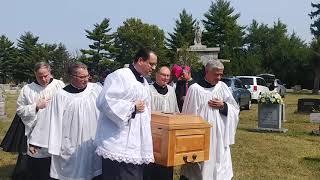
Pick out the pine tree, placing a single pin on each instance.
(221, 28)
(315, 30)
(8, 57)
(29, 53)
(315, 26)
(183, 34)
(101, 48)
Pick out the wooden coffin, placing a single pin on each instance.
(179, 138)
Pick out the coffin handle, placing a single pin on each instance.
(185, 158)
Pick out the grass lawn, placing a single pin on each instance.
(292, 155)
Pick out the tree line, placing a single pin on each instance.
(253, 49)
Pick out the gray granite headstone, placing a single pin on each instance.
(270, 117)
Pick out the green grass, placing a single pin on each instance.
(291, 155)
(7, 160)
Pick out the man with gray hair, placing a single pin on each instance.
(211, 99)
(32, 105)
(71, 128)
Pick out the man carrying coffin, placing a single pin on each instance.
(71, 128)
(163, 96)
(31, 107)
(211, 99)
(124, 131)
(164, 100)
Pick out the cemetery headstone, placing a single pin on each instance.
(308, 105)
(270, 117)
(3, 114)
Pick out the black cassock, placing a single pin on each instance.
(16, 141)
(181, 91)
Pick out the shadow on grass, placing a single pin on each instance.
(6, 171)
(312, 159)
(256, 130)
(312, 162)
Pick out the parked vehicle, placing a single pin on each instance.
(256, 85)
(274, 84)
(240, 93)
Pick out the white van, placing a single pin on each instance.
(256, 85)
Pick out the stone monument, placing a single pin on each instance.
(3, 114)
(205, 53)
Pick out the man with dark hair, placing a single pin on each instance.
(124, 130)
(31, 108)
(71, 128)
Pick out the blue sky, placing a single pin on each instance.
(65, 20)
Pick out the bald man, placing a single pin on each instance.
(163, 99)
(163, 96)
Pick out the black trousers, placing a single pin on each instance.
(157, 172)
(114, 170)
(20, 171)
(39, 168)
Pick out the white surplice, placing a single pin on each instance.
(219, 166)
(72, 129)
(26, 107)
(119, 136)
(164, 102)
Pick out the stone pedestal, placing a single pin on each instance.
(205, 54)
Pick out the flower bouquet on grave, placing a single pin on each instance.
(270, 98)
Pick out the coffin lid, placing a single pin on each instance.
(178, 121)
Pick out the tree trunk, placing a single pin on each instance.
(316, 81)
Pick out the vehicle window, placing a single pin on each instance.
(279, 82)
(261, 82)
(247, 81)
(238, 84)
(268, 78)
(227, 81)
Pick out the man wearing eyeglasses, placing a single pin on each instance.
(124, 130)
(164, 100)
(71, 128)
(163, 96)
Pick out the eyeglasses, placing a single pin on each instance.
(165, 75)
(81, 77)
(153, 65)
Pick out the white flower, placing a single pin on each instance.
(270, 98)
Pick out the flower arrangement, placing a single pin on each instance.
(270, 98)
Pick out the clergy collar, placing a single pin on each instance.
(35, 81)
(71, 89)
(204, 83)
(138, 76)
(160, 89)
(102, 82)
